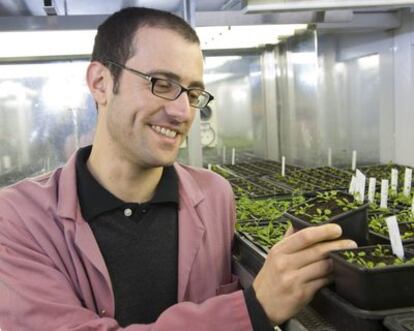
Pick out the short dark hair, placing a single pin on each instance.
(115, 37)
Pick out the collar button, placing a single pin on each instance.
(127, 212)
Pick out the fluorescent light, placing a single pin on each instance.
(46, 43)
(302, 57)
(225, 37)
(40, 70)
(238, 94)
(213, 62)
(80, 42)
(211, 78)
(259, 6)
(66, 87)
(61, 86)
(15, 90)
(339, 67)
(369, 62)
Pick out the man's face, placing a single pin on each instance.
(143, 128)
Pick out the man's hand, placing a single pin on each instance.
(296, 268)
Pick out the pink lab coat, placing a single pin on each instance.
(53, 276)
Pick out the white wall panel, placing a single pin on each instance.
(404, 92)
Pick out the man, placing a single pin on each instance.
(124, 238)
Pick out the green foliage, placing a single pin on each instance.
(264, 209)
(377, 224)
(379, 257)
(303, 209)
(406, 216)
(381, 250)
(374, 207)
(402, 199)
(348, 205)
(221, 171)
(405, 220)
(327, 195)
(259, 218)
(322, 215)
(325, 206)
(271, 234)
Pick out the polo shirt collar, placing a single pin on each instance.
(94, 199)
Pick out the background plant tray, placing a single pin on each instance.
(400, 322)
(264, 210)
(354, 223)
(249, 255)
(294, 184)
(253, 240)
(257, 188)
(321, 179)
(266, 239)
(374, 288)
(327, 304)
(379, 238)
(384, 171)
(346, 317)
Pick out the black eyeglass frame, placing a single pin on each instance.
(153, 80)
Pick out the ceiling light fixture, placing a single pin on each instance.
(259, 6)
(50, 7)
(46, 43)
(246, 36)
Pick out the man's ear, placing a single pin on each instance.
(99, 82)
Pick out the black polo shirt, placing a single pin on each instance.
(139, 243)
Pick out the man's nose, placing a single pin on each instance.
(180, 108)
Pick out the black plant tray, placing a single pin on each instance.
(302, 187)
(250, 256)
(409, 248)
(346, 317)
(379, 238)
(400, 322)
(253, 240)
(374, 288)
(354, 223)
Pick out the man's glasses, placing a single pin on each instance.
(170, 90)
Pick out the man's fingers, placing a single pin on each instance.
(313, 271)
(289, 231)
(296, 268)
(313, 286)
(318, 251)
(308, 237)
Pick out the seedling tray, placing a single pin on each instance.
(374, 288)
(379, 238)
(346, 317)
(249, 255)
(400, 322)
(353, 222)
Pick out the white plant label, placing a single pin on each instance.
(209, 166)
(233, 156)
(352, 185)
(384, 193)
(395, 238)
(407, 181)
(394, 180)
(371, 189)
(224, 154)
(329, 157)
(354, 160)
(283, 165)
(360, 186)
(6, 162)
(412, 206)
